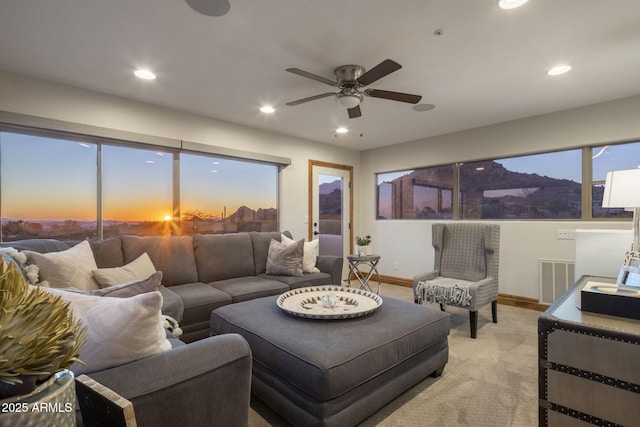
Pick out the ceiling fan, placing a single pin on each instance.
(350, 79)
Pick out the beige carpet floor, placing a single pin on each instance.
(489, 381)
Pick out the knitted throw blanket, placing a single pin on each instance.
(445, 291)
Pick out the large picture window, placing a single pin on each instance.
(416, 194)
(48, 187)
(137, 192)
(74, 188)
(541, 186)
(605, 159)
(220, 195)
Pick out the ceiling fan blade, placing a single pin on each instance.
(310, 98)
(354, 112)
(312, 76)
(379, 71)
(394, 96)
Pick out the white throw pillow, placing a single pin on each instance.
(140, 268)
(67, 269)
(120, 330)
(310, 253)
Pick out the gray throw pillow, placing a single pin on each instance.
(285, 259)
(129, 289)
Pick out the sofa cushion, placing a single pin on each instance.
(199, 300)
(120, 330)
(307, 279)
(70, 268)
(171, 255)
(108, 252)
(172, 304)
(137, 269)
(129, 289)
(42, 246)
(223, 256)
(309, 255)
(246, 288)
(11, 255)
(260, 242)
(285, 258)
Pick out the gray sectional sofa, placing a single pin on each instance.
(205, 382)
(203, 272)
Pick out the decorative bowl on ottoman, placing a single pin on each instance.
(329, 302)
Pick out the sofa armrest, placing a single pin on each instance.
(332, 265)
(207, 382)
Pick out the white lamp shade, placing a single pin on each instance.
(622, 189)
(348, 100)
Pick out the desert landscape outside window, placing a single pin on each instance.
(52, 187)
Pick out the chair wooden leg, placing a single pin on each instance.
(494, 311)
(473, 323)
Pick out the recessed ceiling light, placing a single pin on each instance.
(268, 109)
(215, 163)
(511, 4)
(150, 162)
(342, 130)
(560, 69)
(214, 171)
(145, 74)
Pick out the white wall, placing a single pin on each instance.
(407, 242)
(522, 242)
(25, 95)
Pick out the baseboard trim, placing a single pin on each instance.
(521, 302)
(398, 281)
(505, 299)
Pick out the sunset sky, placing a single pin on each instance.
(49, 179)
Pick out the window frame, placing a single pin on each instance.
(586, 186)
(49, 128)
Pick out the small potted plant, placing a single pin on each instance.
(39, 341)
(363, 245)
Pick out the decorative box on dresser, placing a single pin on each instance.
(589, 370)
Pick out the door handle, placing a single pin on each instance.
(315, 233)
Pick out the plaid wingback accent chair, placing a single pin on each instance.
(465, 271)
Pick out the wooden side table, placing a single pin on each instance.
(369, 262)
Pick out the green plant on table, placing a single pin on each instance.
(363, 241)
(38, 333)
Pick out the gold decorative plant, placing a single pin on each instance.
(38, 334)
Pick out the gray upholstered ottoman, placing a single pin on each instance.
(336, 372)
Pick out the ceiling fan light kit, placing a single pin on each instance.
(350, 79)
(210, 7)
(349, 100)
(511, 4)
(560, 69)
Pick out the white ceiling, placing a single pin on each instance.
(488, 66)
